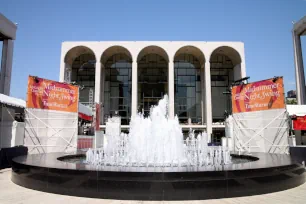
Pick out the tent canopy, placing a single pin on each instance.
(11, 101)
(16, 102)
(85, 112)
(298, 110)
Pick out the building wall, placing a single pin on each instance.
(291, 94)
(6, 124)
(233, 49)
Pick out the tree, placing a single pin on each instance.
(291, 101)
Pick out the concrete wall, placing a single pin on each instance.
(6, 66)
(6, 124)
(8, 30)
(297, 31)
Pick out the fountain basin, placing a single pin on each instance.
(52, 172)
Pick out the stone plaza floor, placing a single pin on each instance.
(12, 193)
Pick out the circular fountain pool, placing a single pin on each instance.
(66, 174)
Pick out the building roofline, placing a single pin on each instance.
(300, 26)
(124, 41)
(7, 28)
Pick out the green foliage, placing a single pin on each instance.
(291, 101)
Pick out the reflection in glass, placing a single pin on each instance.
(83, 73)
(187, 79)
(117, 87)
(221, 77)
(152, 81)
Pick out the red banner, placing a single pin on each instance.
(299, 123)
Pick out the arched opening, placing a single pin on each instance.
(117, 86)
(225, 68)
(188, 82)
(152, 77)
(80, 68)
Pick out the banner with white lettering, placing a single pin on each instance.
(52, 95)
(257, 96)
(51, 116)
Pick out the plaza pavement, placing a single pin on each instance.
(12, 193)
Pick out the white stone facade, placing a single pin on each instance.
(203, 51)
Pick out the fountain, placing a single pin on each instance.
(157, 141)
(154, 162)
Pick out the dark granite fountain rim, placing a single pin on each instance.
(243, 156)
(270, 173)
(260, 161)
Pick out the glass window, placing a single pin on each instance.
(117, 87)
(181, 72)
(221, 79)
(83, 73)
(152, 81)
(187, 80)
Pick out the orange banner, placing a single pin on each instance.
(262, 95)
(52, 95)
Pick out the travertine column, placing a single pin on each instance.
(203, 101)
(171, 89)
(208, 107)
(134, 88)
(102, 90)
(98, 82)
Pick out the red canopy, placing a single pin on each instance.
(85, 117)
(299, 123)
(85, 112)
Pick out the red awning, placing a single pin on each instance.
(85, 112)
(299, 123)
(85, 117)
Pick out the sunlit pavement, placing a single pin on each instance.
(12, 193)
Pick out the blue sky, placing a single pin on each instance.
(263, 25)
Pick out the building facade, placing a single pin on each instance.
(291, 94)
(130, 77)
